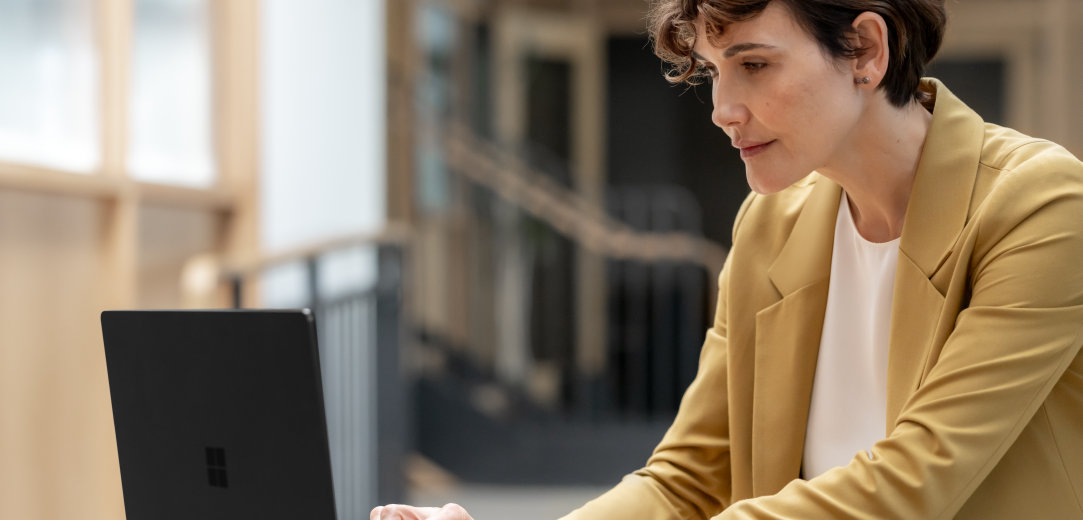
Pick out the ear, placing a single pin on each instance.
(870, 33)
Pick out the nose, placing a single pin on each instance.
(729, 111)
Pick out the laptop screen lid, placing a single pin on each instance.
(219, 414)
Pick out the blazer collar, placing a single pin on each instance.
(806, 256)
(937, 211)
(939, 199)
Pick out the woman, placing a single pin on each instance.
(898, 332)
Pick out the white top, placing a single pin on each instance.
(848, 410)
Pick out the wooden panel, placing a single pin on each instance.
(236, 72)
(1073, 111)
(56, 428)
(1037, 40)
(168, 238)
(401, 59)
(1076, 78)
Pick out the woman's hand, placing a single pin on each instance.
(401, 512)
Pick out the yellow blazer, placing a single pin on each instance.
(985, 375)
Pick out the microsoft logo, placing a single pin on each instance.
(216, 467)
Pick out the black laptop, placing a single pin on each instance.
(219, 414)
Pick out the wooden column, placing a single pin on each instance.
(236, 35)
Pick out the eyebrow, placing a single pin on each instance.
(734, 50)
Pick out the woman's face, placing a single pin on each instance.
(782, 101)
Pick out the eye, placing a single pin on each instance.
(753, 66)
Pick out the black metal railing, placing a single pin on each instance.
(365, 392)
(658, 285)
(552, 405)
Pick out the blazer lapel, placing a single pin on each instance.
(788, 340)
(937, 212)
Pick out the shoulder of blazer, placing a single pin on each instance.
(1005, 149)
(1016, 168)
(1027, 192)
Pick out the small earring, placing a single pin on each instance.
(863, 81)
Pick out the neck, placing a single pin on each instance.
(878, 167)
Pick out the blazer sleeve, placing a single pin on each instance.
(1008, 348)
(688, 475)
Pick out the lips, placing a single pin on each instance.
(751, 149)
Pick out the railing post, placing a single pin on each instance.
(312, 270)
(391, 423)
(236, 288)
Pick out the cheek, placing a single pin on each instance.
(811, 104)
(821, 117)
(791, 107)
(817, 94)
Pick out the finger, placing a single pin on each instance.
(451, 512)
(403, 512)
(375, 513)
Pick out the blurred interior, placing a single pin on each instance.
(509, 225)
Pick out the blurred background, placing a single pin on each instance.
(508, 224)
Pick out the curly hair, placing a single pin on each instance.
(915, 31)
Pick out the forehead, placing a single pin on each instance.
(775, 26)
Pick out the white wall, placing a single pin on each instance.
(323, 148)
(323, 143)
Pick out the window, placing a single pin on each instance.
(49, 97)
(171, 127)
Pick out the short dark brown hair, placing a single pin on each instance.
(915, 31)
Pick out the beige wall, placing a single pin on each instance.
(1040, 41)
(56, 431)
(62, 263)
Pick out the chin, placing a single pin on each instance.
(764, 186)
(768, 184)
(761, 190)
